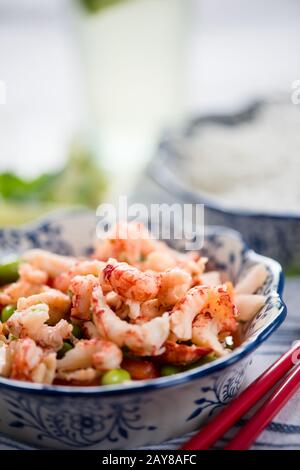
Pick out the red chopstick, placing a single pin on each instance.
(238, 407)
(259, 421)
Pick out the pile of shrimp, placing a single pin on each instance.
(134, 304)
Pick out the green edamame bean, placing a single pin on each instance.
(115, 376)
(66, 347)
(209, 358)
(77, 331)
(9, 269)
(169, 370)
(7, 312)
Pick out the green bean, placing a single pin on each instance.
(169, 370)
(9, 269)
(77, 331)
(7, 312)
(211, 357)
(115, 376)
(66, 347)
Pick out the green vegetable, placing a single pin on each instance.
(7, 312)
(204, 360)
(77, 331)
(12, 337)
(14, 188)
(209, 358)
(169, 370)
(9, 267)
(66, 347)
(115, 376)
(80, 182)
(93, 6)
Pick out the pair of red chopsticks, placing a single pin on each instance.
(249, 397)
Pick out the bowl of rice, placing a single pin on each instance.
(244, 168)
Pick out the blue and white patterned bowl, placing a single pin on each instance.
(145, 412)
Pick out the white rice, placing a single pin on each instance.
(253, 166)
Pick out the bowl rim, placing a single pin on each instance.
(158, 171)
(177, 379)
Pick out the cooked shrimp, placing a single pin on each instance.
(131, 283)
(26, 357)
(113, 300)
(89, 330)
(100, 354)
(222, 307)
(59, 304)
(185, 310)
(81, 268)
(159, 261)
(3, 338)
(210, 279)
(205, 334)
(123, 311)
(49, 262)
(53, 336)
(146, 339)
(12, 292)
(216, 301)
(45, 372)
(162, 303)
(117, 304)
(81, 288)
(164, 258)
(5, 360)
(192, 263)
(83, 376)
(129, 242)
(134, 309)
(149, 310)
(28, 322)
(132, 243)
(174, 285)
(31, 282)
(32, 275)
(31, 322)
(109, 357)
(182, 354)
(218, 316)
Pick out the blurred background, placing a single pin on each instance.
(92, 86)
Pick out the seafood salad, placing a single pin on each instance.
(136, 309)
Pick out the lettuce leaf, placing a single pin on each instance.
(81, 181)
